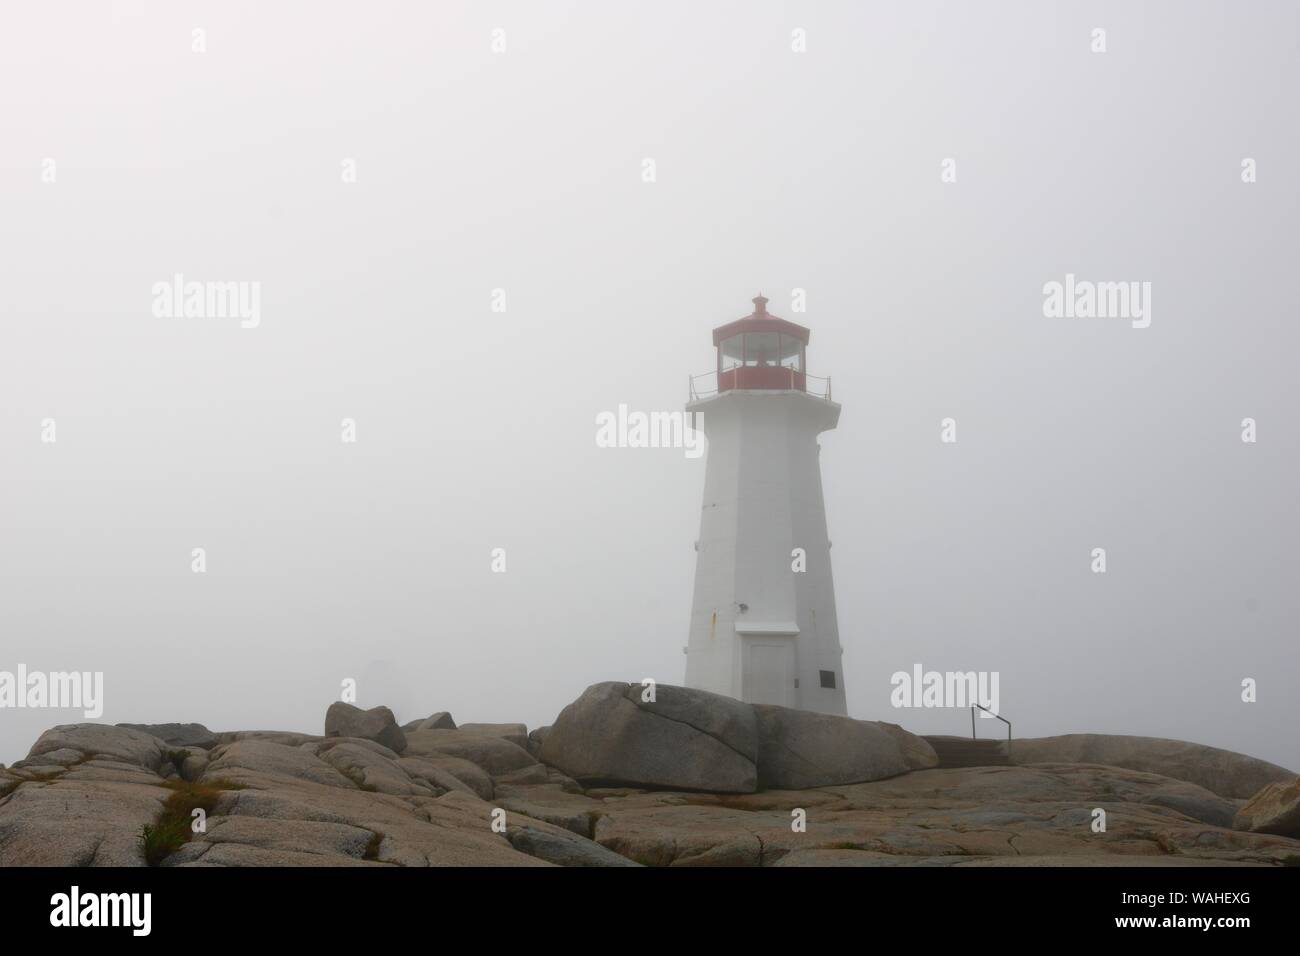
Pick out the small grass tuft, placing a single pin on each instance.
(160, 840)
(173, 828)
(372, 848)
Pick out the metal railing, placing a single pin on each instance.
(987, 711)
(698, 386)
(696, 392)
(826, 392)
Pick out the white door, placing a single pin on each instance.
(768, 671)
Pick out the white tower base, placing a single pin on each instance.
(760, 631)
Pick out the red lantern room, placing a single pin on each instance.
(761, 352)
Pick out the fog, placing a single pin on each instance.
(523, 171)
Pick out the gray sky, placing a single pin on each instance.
(522, 170)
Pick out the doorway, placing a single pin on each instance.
(768, 670)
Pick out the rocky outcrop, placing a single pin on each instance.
(81, 797)
(517, 734)
(493, 754)
(973, 816)
(374, 768)
(1275, 809)
(691, 739)
(86, 792)
(377, 724)
(917, 752)
(414, 827)
(1223, 772)
(433, 766)
(286, 737)
(75, 742)
(535, 739)
(440, 720)
(179, 735)
(800, 750)
(683, 739)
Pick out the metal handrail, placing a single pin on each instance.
(695, 393)
(987, 711)
(821, 378)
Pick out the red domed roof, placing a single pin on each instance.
(760, 320)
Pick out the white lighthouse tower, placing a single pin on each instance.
(763, 625)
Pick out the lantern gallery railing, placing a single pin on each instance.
(758, 377)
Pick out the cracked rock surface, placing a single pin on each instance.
(618, 781)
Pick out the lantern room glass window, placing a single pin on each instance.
(759, 349)
(762, 348)
(731, 353)
(791, 352)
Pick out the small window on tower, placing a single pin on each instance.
(828, 679)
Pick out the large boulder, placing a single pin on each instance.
(433, 766)
(684, 739)
(517, 734)
(178, 735)
(1275, 809)
(377, 724)
(97, 740)
(439, 780)
(802, 750)
(494, 754)
(441, 720)
(917, 752)
(1223, 772)
(280, 762)
(373, 771)
(535, 739)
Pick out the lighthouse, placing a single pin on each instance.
(763, 626)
